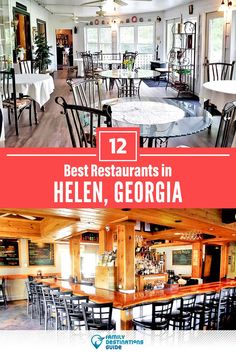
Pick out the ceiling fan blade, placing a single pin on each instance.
(92, 2)
(5, 215)
(120, 2)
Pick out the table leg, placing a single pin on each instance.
(126, 319)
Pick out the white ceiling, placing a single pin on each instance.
(133, 6)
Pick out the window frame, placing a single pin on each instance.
(136, 26)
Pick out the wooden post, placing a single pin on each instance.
(224, 261)
(75, 256)
(197, 260)
(102, 241)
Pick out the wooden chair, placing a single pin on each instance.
(14, 104)
(90, 68)
(159, 320)
(219, 71)
(227, 127)
(98, 316)
(82, 122)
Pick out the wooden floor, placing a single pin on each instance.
(51, 130)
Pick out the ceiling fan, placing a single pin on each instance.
(103, 2)
(74, 18)
(21, 216)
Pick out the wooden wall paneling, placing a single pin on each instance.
(109, 241)
(197, 260)
(126, 256)
(75, 256)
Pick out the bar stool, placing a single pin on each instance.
(49, 310)
(59, 306)
(74, 314)
(159, 320)
(182, 318)
(203, 311)
(3, 298)
(98, 316)
(222, 308)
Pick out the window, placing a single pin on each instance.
(145, 39)
(98, 38)
(138, 38)
(127, 39)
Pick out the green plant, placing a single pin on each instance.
(42, 53)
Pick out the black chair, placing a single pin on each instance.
(222, 309)
(227, 127)
(82, 121)
(59, 307)
(219, 71)
(49, 309)
(181, 319)
(159, 319)
(14, 104)
(74, 314)
(3, 298)
(203, 312)
(29, 298)
(98, 316)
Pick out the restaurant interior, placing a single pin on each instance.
(169, 71)
(103, 269)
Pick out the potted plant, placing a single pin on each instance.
(42, 53)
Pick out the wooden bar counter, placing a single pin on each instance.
(123, 301)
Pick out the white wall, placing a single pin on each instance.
(187, 270)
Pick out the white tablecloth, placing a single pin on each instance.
(219, 92)
(146, 112)
(38, 86)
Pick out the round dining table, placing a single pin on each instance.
(219, 92)
(38, 86)
(158, 122)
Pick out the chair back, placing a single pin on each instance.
(8, 85)
(209, 298)
(26, 66)
(111, 56)
(82, 121)
(88, 64)
(129, 56)
(97, 57)
(187, 302)
(161, 309)
(87, 93)
(227, 127)
(219, 71)
(97, 316)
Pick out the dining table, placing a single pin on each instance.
(160, 121)
(38, 86)
(219, 92)
(127, 77)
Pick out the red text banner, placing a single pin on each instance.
(116, 174)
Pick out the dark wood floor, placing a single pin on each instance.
(52, 130)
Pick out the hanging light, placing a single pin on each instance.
(191, 236)
(224, 6)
